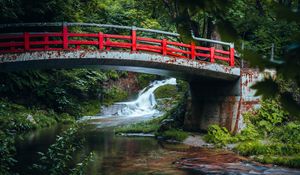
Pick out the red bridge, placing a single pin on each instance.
(220, 92)
(69, 41)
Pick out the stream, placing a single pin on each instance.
(140, 155)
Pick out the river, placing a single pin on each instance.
(139, 155)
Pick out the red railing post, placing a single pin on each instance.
(100, 40)
(26, 41)
(65, 37)
(46, 40)
(231, 63)
(164, 46)
(193, 51)
(133, 39)
(107, 44)
(212, 54)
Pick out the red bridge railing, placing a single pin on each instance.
(65, 40)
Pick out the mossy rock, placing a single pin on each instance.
(166, 91)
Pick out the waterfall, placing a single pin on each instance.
(142, 107)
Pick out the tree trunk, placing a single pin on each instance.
(260, 8)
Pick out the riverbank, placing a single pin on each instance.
(271, 135)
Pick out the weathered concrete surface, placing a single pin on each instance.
(213, 102)
(150, 63)
(223, 103)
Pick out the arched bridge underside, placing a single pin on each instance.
(120, 60)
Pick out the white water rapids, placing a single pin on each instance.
(141, 108)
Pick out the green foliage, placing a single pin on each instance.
(150, 126)
(269, 116)
(7, 152)
(56, 160)
(60, 90)
(288, 133)
(166, 91)
(289, 161)
(145, 79)
(112, 74)
(90, 107)
(65, 118)
(81, 167)
(114, 94)
(174, 134)
(218, 135)
(259, 148)
(249, 133)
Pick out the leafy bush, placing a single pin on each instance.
(249, 133)
(218, 135)
(290, 133)
(270, 114)
(56, 159)
(7, 152)
(174, 134)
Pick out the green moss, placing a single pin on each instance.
(166, 91)
(174, 134)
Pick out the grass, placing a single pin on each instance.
(289, 161)
(174, 134)
(150, 126)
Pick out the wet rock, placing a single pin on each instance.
(30, 118)
(167, 124)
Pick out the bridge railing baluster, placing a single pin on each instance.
(164, 46)
(193, 51)
(212, 54)
(26, 41)
(100, 40)
(65, 37)
(133, 39)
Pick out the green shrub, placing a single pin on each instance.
(249, 133)
(56, 160)
(174, 134)
(218, 135)
(270, 114)
(65, 118)
(290, 133)
(112, 74)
